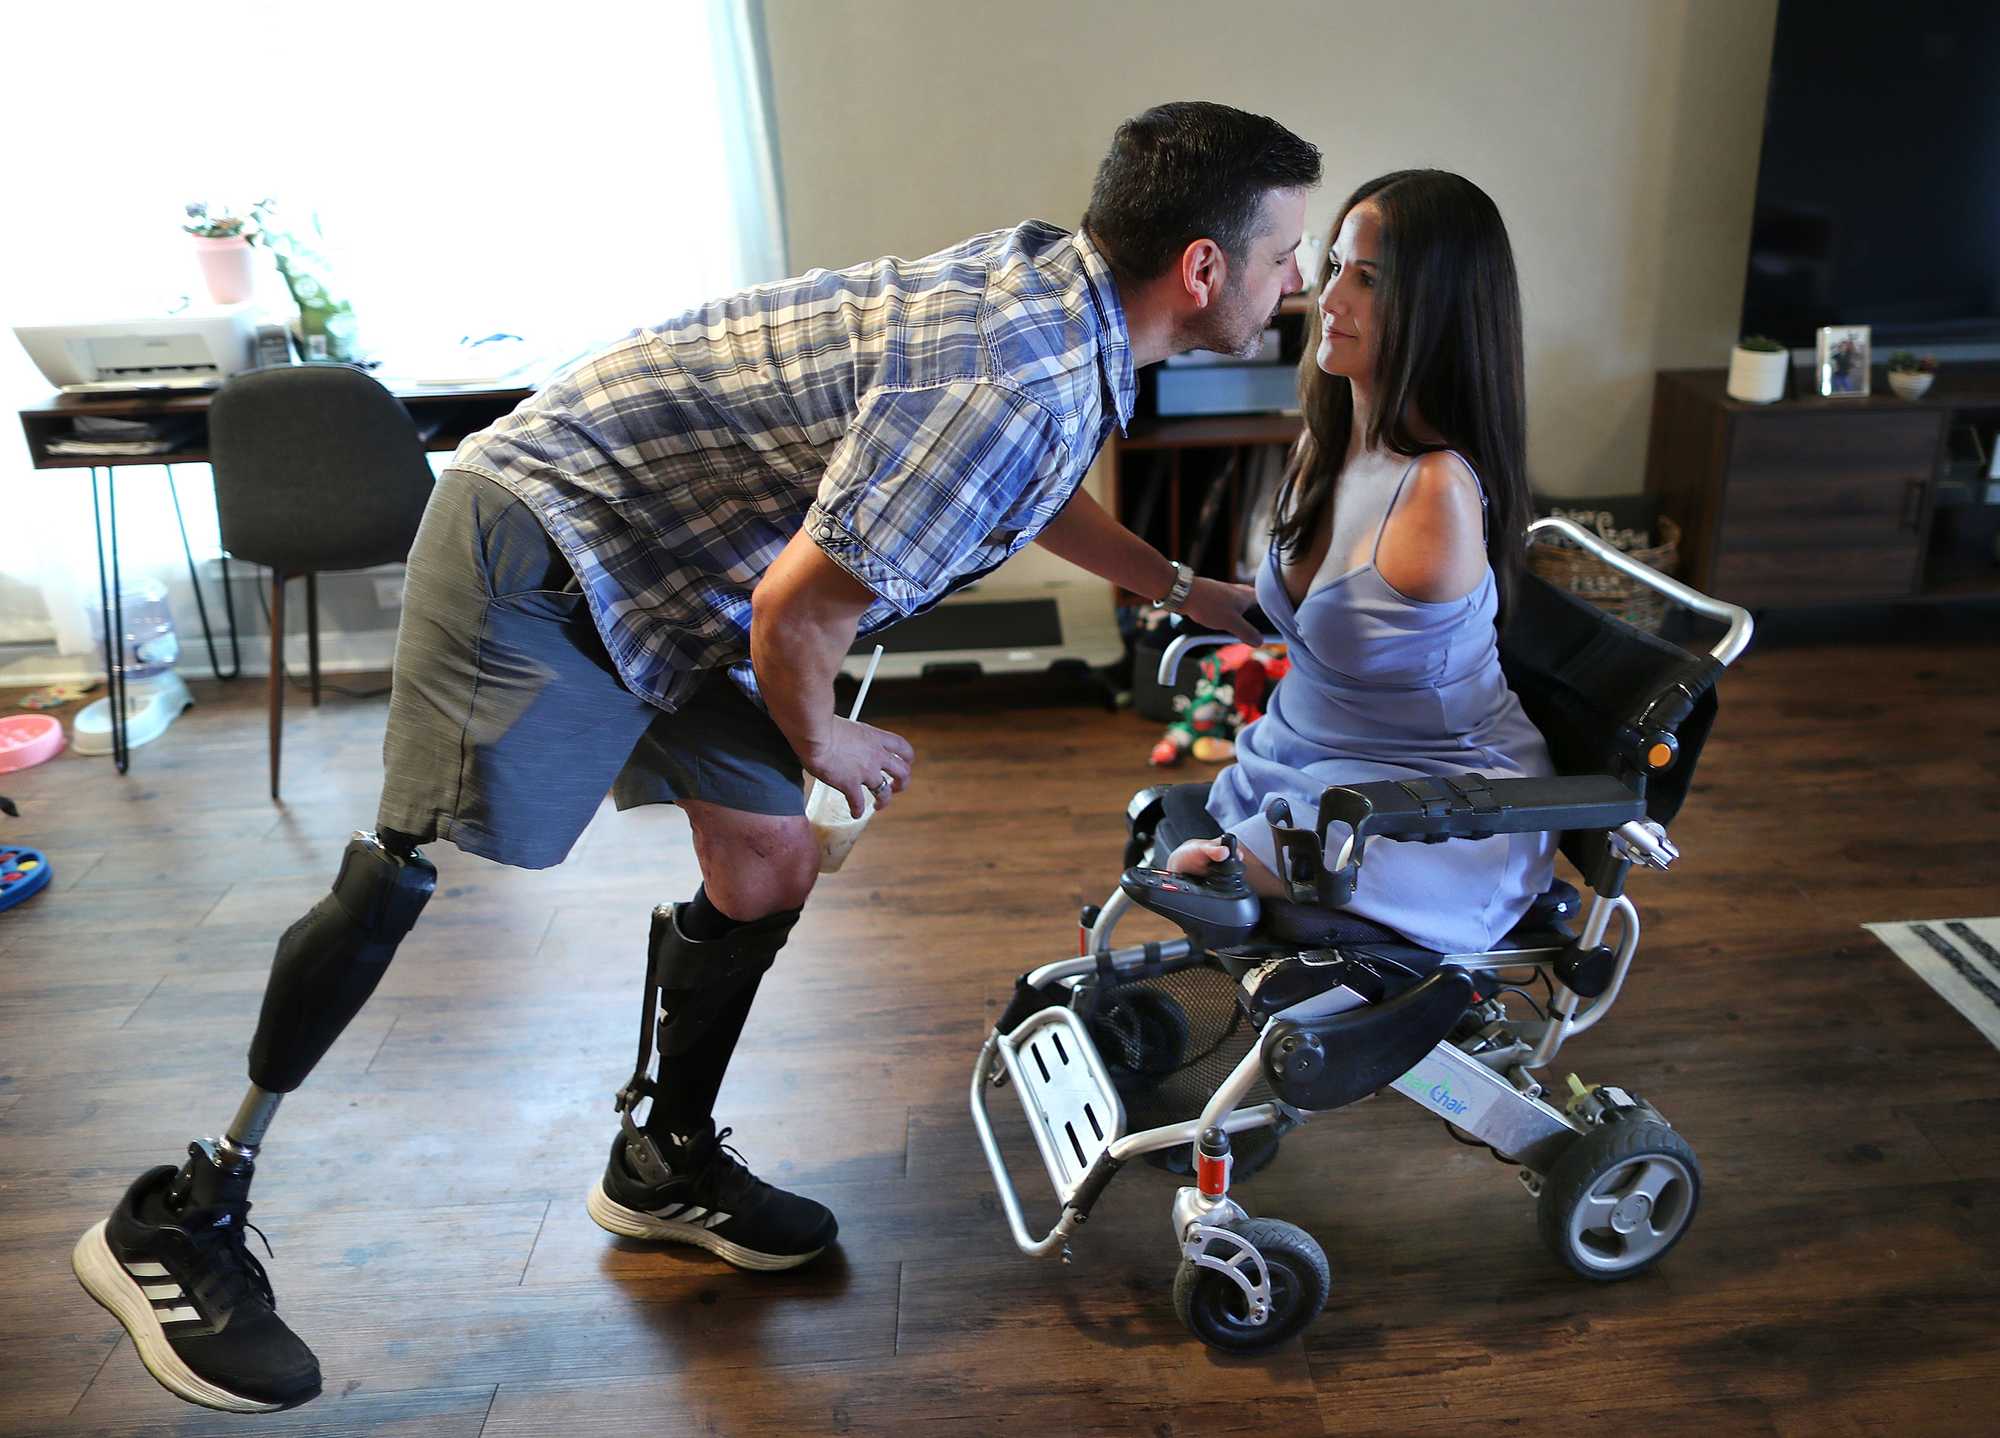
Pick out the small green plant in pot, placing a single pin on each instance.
(1910, 374)
(1758, 368)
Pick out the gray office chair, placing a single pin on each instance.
(317, 468)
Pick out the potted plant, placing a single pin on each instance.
(222, 248)
(1758, 367)
(1910, 375)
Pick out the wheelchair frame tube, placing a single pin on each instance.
(1565, 1021)
(1628, 944)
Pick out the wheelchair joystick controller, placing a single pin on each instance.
(1218, 908)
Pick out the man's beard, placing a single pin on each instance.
(1229, 330)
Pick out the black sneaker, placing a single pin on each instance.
(710, 1199)
(172, 1266)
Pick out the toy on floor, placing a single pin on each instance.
(1228, 694)
(54, 696)
(23, 872)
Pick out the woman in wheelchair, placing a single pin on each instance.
(1448, 723)
(1400, 529)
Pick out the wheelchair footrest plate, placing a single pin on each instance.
(1072, 1108)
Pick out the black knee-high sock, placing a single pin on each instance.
(688, 1082)
(701, 921)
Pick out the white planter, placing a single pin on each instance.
(1758, 376)
(1910, 384)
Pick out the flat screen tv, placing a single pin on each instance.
(1878, 190)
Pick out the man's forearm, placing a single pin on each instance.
(1091, 539)
(796, 656)
(803, 616)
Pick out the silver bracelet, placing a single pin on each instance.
(1183, 584)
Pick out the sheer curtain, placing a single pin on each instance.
(561, 173)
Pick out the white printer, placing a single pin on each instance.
(196, 349)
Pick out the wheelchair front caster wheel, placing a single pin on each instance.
(1214, 1307)
(1618, 1198)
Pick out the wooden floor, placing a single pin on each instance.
(423, 1193)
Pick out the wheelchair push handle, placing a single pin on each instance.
(1736, 636)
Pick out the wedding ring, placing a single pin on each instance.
(881, 786)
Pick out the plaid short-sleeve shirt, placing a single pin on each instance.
(921, 419)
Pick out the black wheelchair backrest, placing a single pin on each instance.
(1597, 687)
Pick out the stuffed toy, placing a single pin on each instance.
(1230, 689)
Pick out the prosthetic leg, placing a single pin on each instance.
(171, 1262)
(327, 965)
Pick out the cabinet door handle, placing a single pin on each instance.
(1913, 503)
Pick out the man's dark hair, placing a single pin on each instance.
(1186, 171)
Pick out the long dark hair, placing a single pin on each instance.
(1448, 317)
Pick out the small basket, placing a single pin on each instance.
(1587, 577)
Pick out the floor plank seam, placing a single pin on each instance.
(547, 929)
(896, 1342)
(209, 912)
(529, 1261)
(492, 1397)
(77, 880)
(370, 1066)
(143, 1002)
(116, 1344)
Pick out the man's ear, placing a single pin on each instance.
(1204, 272)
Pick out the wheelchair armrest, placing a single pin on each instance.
(1469, 806)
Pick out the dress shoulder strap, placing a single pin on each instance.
(1478, 486)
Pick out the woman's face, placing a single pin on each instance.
(1347, 339)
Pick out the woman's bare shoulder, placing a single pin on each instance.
(1433, 545)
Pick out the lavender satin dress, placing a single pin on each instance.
(1387, 687)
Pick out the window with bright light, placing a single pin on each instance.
(562, 173)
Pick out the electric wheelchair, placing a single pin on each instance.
(1198, 1052)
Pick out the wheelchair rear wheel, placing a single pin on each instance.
(1215, 1310)
(1619, 1198)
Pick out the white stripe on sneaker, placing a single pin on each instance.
(161, 1290)
(147, 1270)
(177, 1315)
(613, 1217)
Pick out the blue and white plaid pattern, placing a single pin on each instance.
(921, 419)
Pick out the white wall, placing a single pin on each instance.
(1619, 138)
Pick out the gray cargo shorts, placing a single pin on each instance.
(508, 723)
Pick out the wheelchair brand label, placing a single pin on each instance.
(1431, 1084)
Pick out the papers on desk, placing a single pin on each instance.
(498, 360)
(102, 437)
